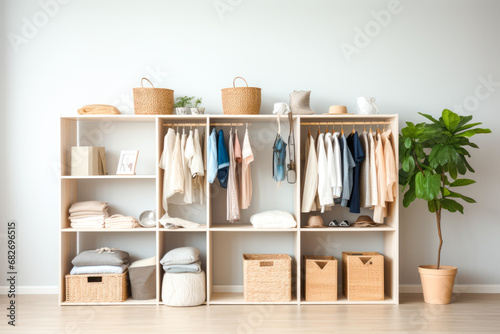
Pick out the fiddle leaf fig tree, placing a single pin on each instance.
(433, 158)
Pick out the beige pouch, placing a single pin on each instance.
(96, 109)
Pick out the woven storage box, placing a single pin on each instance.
(97, 288)
(153, 101)
(267, 277)
(363, 276)
(321, 278)
(241, 100)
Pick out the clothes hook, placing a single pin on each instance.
(279, 124)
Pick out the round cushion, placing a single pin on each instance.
(183, 289)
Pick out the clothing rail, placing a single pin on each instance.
(184, 124)
(229, 124)
(344, 123)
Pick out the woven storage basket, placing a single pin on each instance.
(241, 100)
(267, 277)
(153, 101)
(363, 276)
(97, 288)
(321, 278)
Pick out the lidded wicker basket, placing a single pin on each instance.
(241, 100)
(153, 101)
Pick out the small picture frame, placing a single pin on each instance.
(127, 162)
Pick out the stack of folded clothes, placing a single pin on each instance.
(100, 261)
(273, 219)
(182, 260)
(121, 221)
(90, 214)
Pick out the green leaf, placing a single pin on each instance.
(446, 192)
(464, 120)
(427, 186)
(462, 182)
(468, 126)
(465, 198)
(431, 205)
(408, 142)
(472, 132)
(429, 117)
(409, 164)
(452, 205)
(452, 169)
(469, 167)
(450, 119)
(409, 197)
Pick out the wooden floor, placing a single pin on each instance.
(469, 313)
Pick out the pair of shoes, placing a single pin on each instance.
(335, 223)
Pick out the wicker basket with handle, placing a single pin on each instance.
(153, 101)
(241, 100)
(97, 288)
(267, 277)
(321, 278)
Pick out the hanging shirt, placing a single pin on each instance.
(364, 183)
(358, 156)
(337, 166)
(306, 159)
(347, 172)
(390, 166)
(279, 159)
(176, 174)
(330, 161)
(324, 187)
(187, 196)
(198, 170)
(222, 161)
(373, 172)
(232, 207)
(380, 209)
(165, 164)
(246, 176)
(310, 177)
(212, 157)
(237, 160)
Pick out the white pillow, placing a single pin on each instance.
(181, 255)
(144, 262)
(273, 218)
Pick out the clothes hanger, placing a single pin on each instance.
(353, 129)
(326, 128)
(378, 130)
(309, 134)
(342, 129)
(279, 124)
(364, 127)
(370, 128)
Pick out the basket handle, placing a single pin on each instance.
(241, 79)
(266, 263)
(366, 260)
(142, 84)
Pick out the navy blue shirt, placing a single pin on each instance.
(358, 155)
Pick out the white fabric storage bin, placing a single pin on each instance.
(183, 289)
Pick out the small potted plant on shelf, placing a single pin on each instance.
(433, 156)
(197, 110)
(182, 104)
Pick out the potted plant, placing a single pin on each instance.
(433, 156)
(182, 104)
(197, 110)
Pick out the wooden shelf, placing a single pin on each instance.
(138, 229)
(246, 227)
(111, 118)
(236, 298)
(104, 177)
(129, 301)
(380, 228)
(343, 301)
(201, 228)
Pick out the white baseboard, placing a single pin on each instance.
(32, 290)
(460, 288)
(406, 288)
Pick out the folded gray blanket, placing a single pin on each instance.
(105, 258)
(183, 268)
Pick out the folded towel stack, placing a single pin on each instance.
(182, 260)
(89, 214)
(273, 219)
(121, 221)
(100, 261)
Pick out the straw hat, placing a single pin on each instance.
(300, 102)
(337, 110)
(364, 221)
(315, 221)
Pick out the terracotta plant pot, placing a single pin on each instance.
(437, 284)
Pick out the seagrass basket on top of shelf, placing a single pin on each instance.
(153, 101)
(241, 100)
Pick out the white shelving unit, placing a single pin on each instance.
(221, 243)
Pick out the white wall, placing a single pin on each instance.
(429, 56)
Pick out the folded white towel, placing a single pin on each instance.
(99, 270)
(273, 219)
